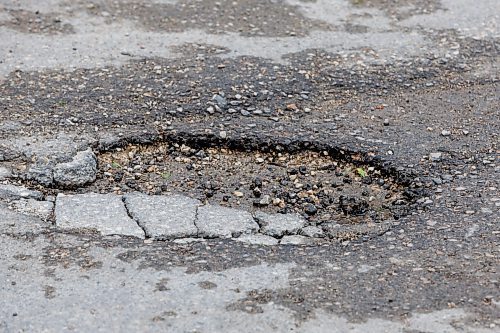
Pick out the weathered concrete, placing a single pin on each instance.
(41, 209)
(294, 240)
(81, 170)
(258, 239)
(216, 221)
(163, 217)
(312, 231)
(277, 225)
(16, 223)
(104, 213)
(13, 192)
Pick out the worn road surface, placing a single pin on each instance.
(250, 166)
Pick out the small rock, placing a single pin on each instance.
(445, 133)
(221, 101)
(437, 181)
(435, 157)
(448, 178)
(238, 194)
(386, 122)
(312, 231)
(265, 201)
(41, 209)
(310, 209)
(223, 134)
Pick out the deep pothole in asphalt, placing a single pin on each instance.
(311, 183)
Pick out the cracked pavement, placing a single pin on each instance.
(256, 166)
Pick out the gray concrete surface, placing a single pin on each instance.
(412, 84)
(164, 217)
(214, 221)
(104, 213)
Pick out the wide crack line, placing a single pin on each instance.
(196, 220)
(146, 234)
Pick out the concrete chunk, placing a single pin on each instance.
(12, 192)
(104, 213)
(41, 209)
(294, 240)
(12, 222)
(217, 221)
(312, 231)
(257, 239)
(164, 217)
(277, 225)
(78, 172)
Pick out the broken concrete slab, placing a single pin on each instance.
(81, 170)
(312, 231)
(257, 239)
(13, 192)
(294, 240)
(41, 173)
(104, 213)
(163, 217)
(222, 222)
(16, 223)
(41, 209)
(277, 225)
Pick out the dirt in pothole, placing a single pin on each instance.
(309, 183)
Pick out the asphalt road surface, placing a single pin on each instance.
(305, 166)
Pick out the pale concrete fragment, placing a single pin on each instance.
(164, 217)
(257, 239)
(277, 225)
(223, 222)
(104, 213)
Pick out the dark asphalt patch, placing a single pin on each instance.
(246, 17)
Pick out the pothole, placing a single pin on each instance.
(312, 184)
(264, 192)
